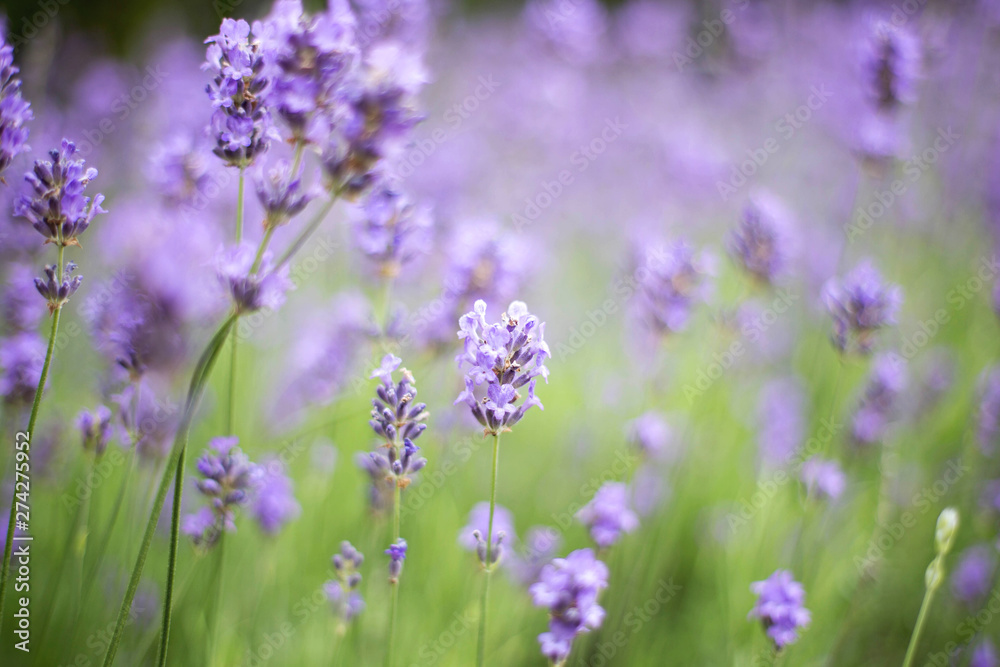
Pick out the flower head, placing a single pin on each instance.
(861, 304)
(760, 243)
(650, 434)
(984, 655)
(672, 279)
(281, 193)
(609, 514)
(390, 230)
(973, 575)
(342, 591)
(273, 503)
(227, 480)
(397, 554)
(780, 420)
(988, 417)
(891, 65)
(471, 536)
(569, 588)
(823, 478)
(779, 607)
(253, 288)
(878, 404)
(15, 112)
(95, 429)
(21, 358)
(398, 420)
(56, 290)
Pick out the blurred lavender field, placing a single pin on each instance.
(740, 256)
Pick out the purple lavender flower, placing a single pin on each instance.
(56, 290)
(15, 112)
(861, 304)
(471, 535)
(240, 123)
(149, 423)
(780, 414)
(569, 588)
(19, 308)
(609, 514)
(180, 169)
(574, 31)
(390, 230)
(397, 554)
(95, 429)
(540, 547)
(988, 417)
(273, 504)
(779, 607)
(984, 655)
(504, 356)
(972, 579)
(398, 420)
(227, 479)
(761, 241)
(342, 591)
(650, 434)
(823, 478)
(57, 208)
(281, 193)
(877, 408)
(21, 358)
(672, 279)
(891, 65)
(263, 288)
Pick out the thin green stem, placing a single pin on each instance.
(36, 403)
(262, 248)
(231, 408)
(308, 231)
(175, 520)
(299, 147)
(481, 645)
(911, 650)
(215, 601)
(239, 207)
(395, 584)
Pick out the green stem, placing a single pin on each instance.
(9, 542)
(239, 208)
(299, 147)
(262, 248)
(481, 646)
(216, 601)
(309, 230)
(395, 584)
(231, 408)
(911, 650)
(175, 521)
(199, 378)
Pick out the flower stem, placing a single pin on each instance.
(198, 380)
(309, 230)
(215, 601)
(175, 519)
(911, 650)
(239, 207)
(481, 646)
(234, 339)
(394, 584)
(9, 542)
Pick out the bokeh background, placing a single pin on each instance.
(668, 121)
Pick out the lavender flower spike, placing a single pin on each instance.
(390, 230)
(861, 304)
(779, 607)
(399, 420)
(15, 112)
(609, 514)
(471, 535)
(760, 243)
(569, 588)
(228, 479)
(95, 429)
(281, 193)
(55, 291)
(397, 554)
(264, 288)
(274, 502)
(342, 591)
(504, 356)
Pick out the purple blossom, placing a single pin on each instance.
(540, 547)
(650, 434)
(861, 304)
(972, 578)
(228, 479)
(252, 290)
(95, 429)
(780, 607)
(390, 230)
(149, 424)
(15, 112)
(57, 207)
(505, 356)
(397, 554)
(21, 358)
(988, 417)
(984, 655)
(761, 242)
(878, 405)
(471, 536)
(20, 309)
(609, 514)
(398, 420)
(342, 591)
(780, 415)
(823, 478)
(56, 290)
(672, 279)
(273, 504)
(569, 588)
(891, 65)
(180, 170)
(281, 193)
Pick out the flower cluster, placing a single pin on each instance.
(471, 535)
(504, 356)
(823, 478)
(397, 554)
(15, 112)
(878, 404)
(671, 281)
(972, 579)
(779, 607)
(21, 358)
(391, 230)
(57, 290)
(253, 287)
(342, 591)
(761, 243)
(861, 304)
(891, 65)
(569, 588)
(241, 123)
(609, 514)
(281, 193)
(228, 478)
(988, 417)
(95, 429)
(57, 207)
(273, 503)
(651, 435)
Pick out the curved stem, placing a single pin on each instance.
(911, 650)
(481, 650)
(175, 520)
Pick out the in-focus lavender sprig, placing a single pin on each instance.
(56, 290)
(399, 420)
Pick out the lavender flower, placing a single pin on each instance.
(15, 112)
(281, 194)
(149, 424)
(228, 478)
(671, 280)
(273, 504)
(57, 208)
(240, 123)
(650, 434)
(390, 230)
(780, 414)
(21, 358)
(823, 478)
(609, 514)
(891, 65)
(861, 304)
(569, 588)
(984, 655)
(988, 418)
(95, 429)
(399, 421)
(342, 591)
(761, 243)
(56, 291)
(540, 547)
(252, 290)
(19, 308)
(779, 607)
(886, 381)
(397, 554)
(972, 579)
(504, 356)
(471, 535)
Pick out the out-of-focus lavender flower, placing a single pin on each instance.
(569, 588)
(780, 415)
(21, 358)
(574, 31)
(240, 124)
(761, 243)
(672, 279)
(780, 607)
(342, 591)
(609, 514)
(57, 207)
(397, 554)
(891, 65)
(56, 290)
(504, 356)
(15, 112)
(95, 429)
(281, 193)
(471, 536)
(148, 423)
(391, 230)
(988, 417)
(403, 21)
(984, 655)
(886, 381)
(540, 546)
(179, 169)
(19, 307)
(227, 480)
(398, 420)
(861, 304)
(264, 288)
(648, 489)
(273, 503)
(972, 578)
(823, 478)
(650, 434)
